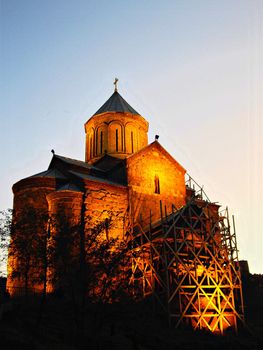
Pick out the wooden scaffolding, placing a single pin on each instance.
(187, 262)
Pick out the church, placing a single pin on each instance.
(122, 174)
(132, 182)
(121, 171)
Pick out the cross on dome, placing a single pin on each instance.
(115, 83)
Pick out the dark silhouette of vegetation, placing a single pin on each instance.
(89, 266)
(25, 236)
(90, 305)
(5, 231)
(80, 264)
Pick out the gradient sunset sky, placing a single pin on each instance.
(192, 68)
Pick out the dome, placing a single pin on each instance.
(116, 129)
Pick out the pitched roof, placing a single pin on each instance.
(97, 179)
(50, 173)
(108, 169)
(71, 161)
(69, 173)
(116, 103)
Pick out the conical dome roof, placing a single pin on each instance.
(116, 103)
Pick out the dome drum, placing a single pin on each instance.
(117, 134)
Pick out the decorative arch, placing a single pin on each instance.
(115, 137)
(87, 148)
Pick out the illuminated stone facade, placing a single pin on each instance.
(123, 179)
(154, 176)
(181, 249)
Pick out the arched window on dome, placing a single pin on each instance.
(101, 133)
(96, 143)
(115, 141)
(91, 147)
(132, 142)
(130, 138)
(101, 142)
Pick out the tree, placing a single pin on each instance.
(52, 253)
(87, 265)
(5, 231)
(27, 253)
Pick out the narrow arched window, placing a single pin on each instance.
(96, 143)
(90, 147)
(132, 146)
(117, 140)
(101, 142)
(156, 184)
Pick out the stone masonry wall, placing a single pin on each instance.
(65, 208)
(104, 201)
(144, 171)
(28, 194)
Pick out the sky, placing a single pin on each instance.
(192, 68)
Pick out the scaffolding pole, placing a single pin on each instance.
(188, 263)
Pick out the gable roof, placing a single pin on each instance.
(65, 164)
(55, 173)
(159, 147)
(107, 169)
(116, 103)
(97, 179)
(69, 161)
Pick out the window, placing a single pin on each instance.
(90, 148)
(117, 140)
(130, 138)
(96, 146)
(101, 142)
(132, 149)
(115, 137)
(156, 184)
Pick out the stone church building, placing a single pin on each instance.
(122, 177)
(136, 184)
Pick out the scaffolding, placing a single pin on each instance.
(187, 262)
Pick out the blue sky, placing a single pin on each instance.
(193, 69)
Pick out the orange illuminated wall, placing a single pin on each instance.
(29, 194)
(154, 176)
(105, 201)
